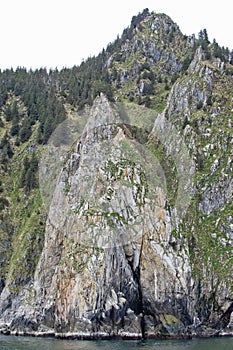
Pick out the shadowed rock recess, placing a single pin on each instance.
(138, 237)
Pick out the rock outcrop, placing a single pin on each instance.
(111, 264)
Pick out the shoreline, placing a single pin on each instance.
(106, 336)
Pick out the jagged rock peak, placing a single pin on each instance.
(152, 24)
(199, 57)
(101, 114)
(146, 14)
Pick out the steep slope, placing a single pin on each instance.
(200, 107)
(107, 228)
(118, 259)
(138, 237)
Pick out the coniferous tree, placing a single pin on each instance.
(29, 179)
(231, 57)
(6, 151)
(15, 129)
(8, 114)
(26, 131)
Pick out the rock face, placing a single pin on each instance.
(108, 264)
(111, 264)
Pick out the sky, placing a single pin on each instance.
(57, 34)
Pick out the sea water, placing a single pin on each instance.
(28, 343)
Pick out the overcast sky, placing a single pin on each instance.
(55, 33)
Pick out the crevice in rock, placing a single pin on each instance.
(141, 309)
(137, 279)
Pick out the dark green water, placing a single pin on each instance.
(21, 343)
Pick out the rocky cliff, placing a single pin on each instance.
(138, 237)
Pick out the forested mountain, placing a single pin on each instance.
(176, 280)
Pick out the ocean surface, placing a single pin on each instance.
(27, 343)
